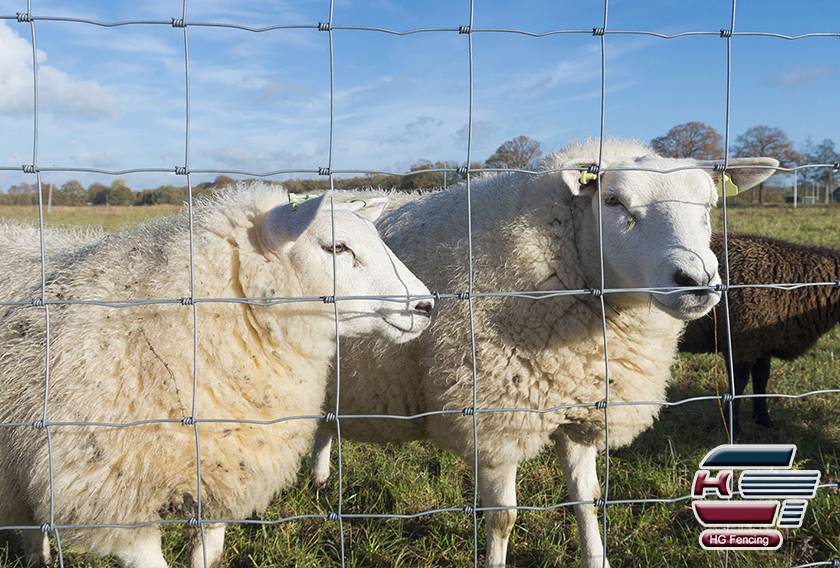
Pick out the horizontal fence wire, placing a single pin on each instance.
(470, 295)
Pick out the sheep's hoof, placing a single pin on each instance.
(36, 548)
(320, 480)
(763, 420)
(595, 562)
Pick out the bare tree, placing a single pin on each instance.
(518, 153)
(768, 141)
(823, 153)
(690, 140)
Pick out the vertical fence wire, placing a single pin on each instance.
(604, 500)
(340, 467)
(192, 420)
(51, 527)
(44, 422)
(473, 509)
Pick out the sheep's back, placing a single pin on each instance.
(768, 321)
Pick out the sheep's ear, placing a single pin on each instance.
(579, 181)
(746, 173)
(369, 208)
(285, 224)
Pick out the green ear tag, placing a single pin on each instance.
(296, 199)
(586, 177)
(729, 186)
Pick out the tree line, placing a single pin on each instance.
(689, 140)
(698, 140)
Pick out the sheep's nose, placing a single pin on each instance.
(424, 308)
(683, 278)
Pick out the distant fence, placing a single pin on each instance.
(329, 28)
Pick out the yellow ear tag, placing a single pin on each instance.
(729, 187)
(296, 199)
(586, 177)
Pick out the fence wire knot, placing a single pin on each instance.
(328, 299)
(596, 292)
(178, 23)
(464, 295)
(598, 31)
(725, 33)
(332, 516)
(38, 425)
(835, 563)
(600, 502)
(23, 17)
(719, 167)
(469, 509)
(37, 303)
(464, 29)
(330, 417)
(187, 301)
(835, 166)
(601, 405)
(462, 171)
(436, 295)
(188, 421)
(592, 169)
(837, 283)
(46, 527)
(324, 26)
(323, 171)
(193, 522)
(727, 397)
(721, 287)
(28, 168)
(469, 411)
(180, 170)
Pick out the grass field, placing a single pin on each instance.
(660, 463)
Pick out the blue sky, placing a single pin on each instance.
(114, 98)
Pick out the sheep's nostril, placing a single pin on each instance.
(682, 278)
(424, 308)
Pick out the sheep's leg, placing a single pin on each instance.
(579, 463)
(142, 550)
(760, 376)
(214, 538)
(742, 377)
(321, 455)
(497, 486)
(36, 548)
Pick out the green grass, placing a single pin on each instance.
(109, 218)
(660, 463)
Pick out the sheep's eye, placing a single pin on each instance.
(339, 248)
(611, 201)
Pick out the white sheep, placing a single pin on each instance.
(132, 364)
(540, 233)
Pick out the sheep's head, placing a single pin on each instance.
(657, 227)
(296, 240)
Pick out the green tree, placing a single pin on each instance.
(97, 194)
(72, 193)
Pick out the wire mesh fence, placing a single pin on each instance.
(329, 28)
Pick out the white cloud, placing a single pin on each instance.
(59, 91)
(802, 75)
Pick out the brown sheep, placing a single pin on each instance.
(767, 322)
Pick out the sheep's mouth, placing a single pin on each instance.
(688, 305)
(418, 321)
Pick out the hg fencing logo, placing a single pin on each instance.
(773, 496)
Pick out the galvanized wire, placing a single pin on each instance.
(470, 294)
